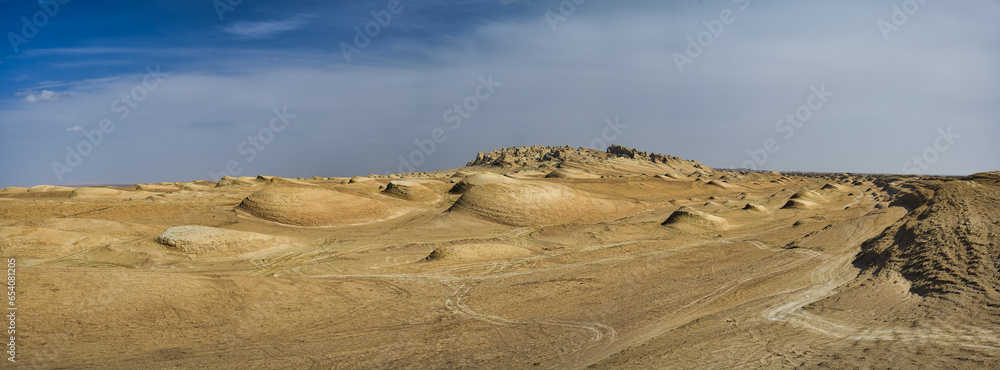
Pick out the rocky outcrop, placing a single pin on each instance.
(538, 156)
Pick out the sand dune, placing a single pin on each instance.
(213, 242)
(800, 204)
(687, 216)
(410, 190)
(723, 185)
(157, 188)
(808, 195)
(48, 188)
(14, 190)
(42, 243)
(314, 207)
(477, 179)
(194, 187)
(229, 181)
(107, 194)
(755, 207)
(530, 203)
(835, 187)
(95, 193)
(477, 252)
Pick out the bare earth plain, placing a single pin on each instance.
(530, 257)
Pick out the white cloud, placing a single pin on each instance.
(558, 88)
(76, 128)
(254, 30)
(31, 96)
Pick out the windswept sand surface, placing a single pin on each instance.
(527, 258)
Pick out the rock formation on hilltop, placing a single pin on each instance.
(523, 155)
(595, 161)
(620, 151)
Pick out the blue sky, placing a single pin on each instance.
(903, 79)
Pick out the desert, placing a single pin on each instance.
(621, 259)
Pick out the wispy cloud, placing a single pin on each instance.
(606, 60)
(76, 128)
(31, 96)
(263, 29)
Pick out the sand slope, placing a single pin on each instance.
(532, 203)
(212, 242)
(314, 207)
(687, 216)
(410, 190)
(477, 252)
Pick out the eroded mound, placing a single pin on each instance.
(40, 243)
(723, 185)
(159, 188)
(478, 252)
(314, 207)
(281, 181)
(14, 190)
(755, 207)
(478, 179)
(106, 194)
(800, 204)
(835, 187)
(947, 246)
(229, 181)
(194, 187)
(48, 188)
(687, 216)
(360, 180)
(214, 242)
(808, 195)
(409, 190)
(527, 203)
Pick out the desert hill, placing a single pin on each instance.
(948, 246)
(582, 162)
(528, 257)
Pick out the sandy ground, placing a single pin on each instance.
(591, 263)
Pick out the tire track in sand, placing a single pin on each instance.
(838, 271)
